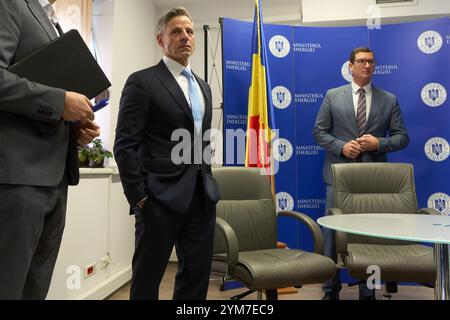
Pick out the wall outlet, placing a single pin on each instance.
(90, 269)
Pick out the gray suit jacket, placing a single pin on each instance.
(336, 125)
(34, 140)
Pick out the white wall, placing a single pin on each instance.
(341, 12)
(98, 230)
(209, 11)
(132, 47)
(102, 26)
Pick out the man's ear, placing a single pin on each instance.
(159, 40)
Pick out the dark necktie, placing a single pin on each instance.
(361, 111)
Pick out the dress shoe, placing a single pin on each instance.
(330, 296)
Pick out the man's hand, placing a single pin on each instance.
(77, 107)
(352, 149)
(87, 132)
(368, 142)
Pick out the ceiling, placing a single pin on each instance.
(181, 2)
(165, 3)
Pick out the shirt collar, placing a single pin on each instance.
(367, 88)
(174, 66)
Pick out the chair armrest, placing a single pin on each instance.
(334, 211)
(429, 211)
(312, 226)
(231, 241)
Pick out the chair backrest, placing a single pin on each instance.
(246, 204)
(374, 188)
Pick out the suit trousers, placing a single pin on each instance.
(333, 286)
(32, 221)
(157, 231)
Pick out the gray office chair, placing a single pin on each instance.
(380, 188)
(245, 246)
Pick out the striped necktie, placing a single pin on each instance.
(361, 111)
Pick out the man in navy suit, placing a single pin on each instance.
(356, 123)
(170, 190)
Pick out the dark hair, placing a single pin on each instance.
(358, 50)
(175, 12)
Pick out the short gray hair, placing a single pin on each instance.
(164, 20)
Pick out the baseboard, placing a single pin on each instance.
(107, 287)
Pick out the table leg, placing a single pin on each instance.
(442, 285)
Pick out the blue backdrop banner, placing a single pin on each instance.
(307, 61)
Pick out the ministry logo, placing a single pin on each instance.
(434, 94)
(440, 202)
(345, 71)
(437, 149)
(429, 42)
(281, 97)
(279, 46)
(284, 201)
(282, 150)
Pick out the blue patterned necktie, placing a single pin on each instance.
(195, 99)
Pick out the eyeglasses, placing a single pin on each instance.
(363, 62)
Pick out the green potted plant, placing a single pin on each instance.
(83, 156)
(98, 154)
(93, 155)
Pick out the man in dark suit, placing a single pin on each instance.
(168, 183)
(38, 155)
(356, 123)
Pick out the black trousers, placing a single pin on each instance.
(157, 231)
(32, 221)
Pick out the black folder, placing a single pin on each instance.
(64, 63)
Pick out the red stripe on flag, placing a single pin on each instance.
(257, 147)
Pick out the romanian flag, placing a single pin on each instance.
(260, 120)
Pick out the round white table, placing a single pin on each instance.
(410, 227)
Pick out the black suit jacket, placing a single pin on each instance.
(152, 108)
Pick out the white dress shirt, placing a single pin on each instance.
(175, 69)
(355, 93)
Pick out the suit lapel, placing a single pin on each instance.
(374, 107)
(172, 86)
(40, 16)
(350, 108)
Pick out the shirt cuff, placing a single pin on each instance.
(140, 203)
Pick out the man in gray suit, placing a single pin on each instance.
(40, 127)
(356, 123)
